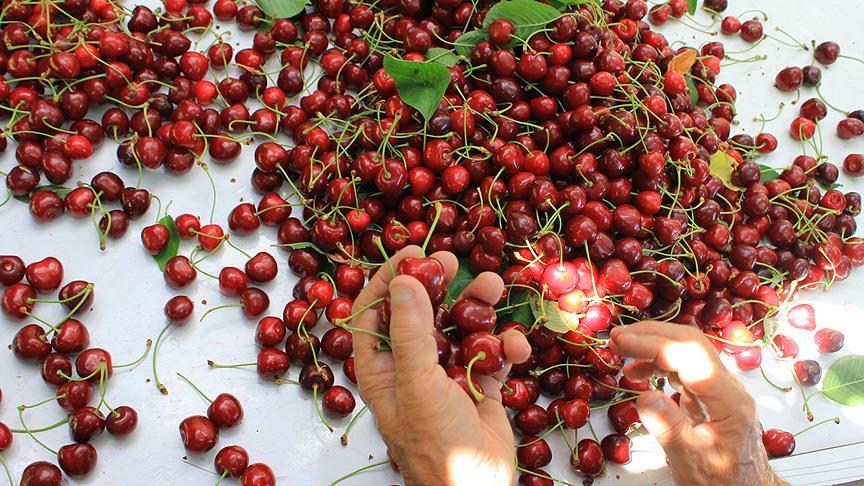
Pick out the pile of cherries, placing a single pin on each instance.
(63, 351)
(577, 163)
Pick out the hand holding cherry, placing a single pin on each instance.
(413, 399)
(712, 433)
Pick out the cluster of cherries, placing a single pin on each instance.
(63, 350)
(575, 162)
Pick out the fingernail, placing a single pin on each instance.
(401, 294)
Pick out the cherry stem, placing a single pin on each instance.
(358, 471)
(345, 320)
(222, 477)
(544, 434)
(318, 408)
(384, 254)
(226, 306)
(544, 476)
(478, 397)
(6, 468)
(43, 429)
(806, 407)
(784, 389)
(147, 347)
(432, 226)
(213, 364)
(836, 420)
(159, 386)
(344, 438)
(187, 380)
(67, 299)
(29, 432)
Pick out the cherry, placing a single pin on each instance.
(179, 272)
(115, 223)
(18, 300)
(5, 437)
(55, 367)
(789, 79)
(178, 309)
(853, 165)
(187, 225)
(45, 275)
(198, 433)
(11, 269)
(231, 460)
(85, 424)
(42, 473)
(574, 413)
(243, 219)
(225, 411)
(74, 395)
(254, 302)
(46, 205)
(428, 272)
(787, 346)
(77, 296)
(473, 315)
(316, 376)
(589, 458)
(77, 460)
(623, 417)
(827, 53)
(270, 332)
(210, 236)
(338, 401)
(828, 340)
(272, 363)
(155, 238)
(232, 281)
(616, 448)
(337, 343)
(258, 474)
(533, 452)
(808, 372)
(122, 421)
(485, 350)
(261, 268)
(802, 316)
(31, 343)
(90, 361)
(778, 443)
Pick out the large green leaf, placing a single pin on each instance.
(691, 6)
(442, 56)
(521, 314)
(722, 165)
(466, 42)
(844, 381)
(563, 4)
(528, 18)
(694, 94)
(548, 314)
(420, 84)
(464, 276)
(282, 9)
(59, 190)
(767, 173)
(170, 250)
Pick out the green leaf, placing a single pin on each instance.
(59, 190)
(844, 381)
(521, 314)
(722, 165)
(304, 245)
(768, 173)
(170, 250)
(465, 43)
(463, 277)
(528, 17)
(562, 4)
(420, 84)
(282, 9)
(833, 185)
(691, 6)
(442, 56)
(548, 314)
(694, 94)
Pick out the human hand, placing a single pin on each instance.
(713, 435)
(434, 430)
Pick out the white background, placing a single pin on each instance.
(281, 427)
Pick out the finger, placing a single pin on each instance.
(375, 370)
(414, 348)
(687, 354)
(492, 413)
(664, 420)
(487, 287)
(640, 370)
(691, 408)
(516, 347)
(491, 386)
(448, 261)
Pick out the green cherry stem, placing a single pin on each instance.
(138, 361)
(6, 468)
(478, 397)
(29, 432)
(318, 409)
(43, 429)
(358, 471)
(836, 420)
(344, 438)
(194, 387)
(159, 386)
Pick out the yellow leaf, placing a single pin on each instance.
(722, 165)
(683, 61)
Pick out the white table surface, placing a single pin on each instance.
(280, 427)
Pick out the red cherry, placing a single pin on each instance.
(199, 434)
(778, 443)
(338, 401)
(122, 421)
(77, 460)
(232, 460)
(258, 475)
(828, 340)
(42, 473)
(616, 448)
(45, 275)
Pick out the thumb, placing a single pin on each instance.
(663, 419)
(415, 352)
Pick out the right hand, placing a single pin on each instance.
(713, 436)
